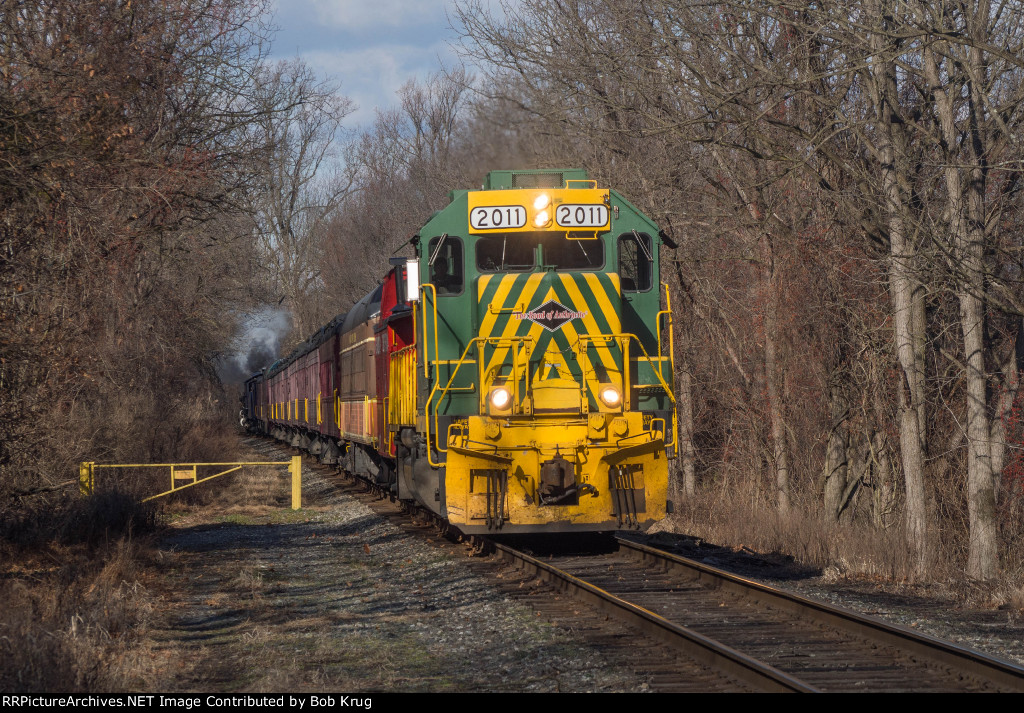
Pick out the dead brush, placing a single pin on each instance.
(69, 626)
(249, 582)
(843, 549)
(74, 605)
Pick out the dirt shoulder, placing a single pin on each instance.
(335, 597)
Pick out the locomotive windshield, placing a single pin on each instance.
(506, 252)
(522, 252)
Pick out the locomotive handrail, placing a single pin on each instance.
(448, 387)
(433, 303)
(657, 371)
(671, 361)
(627, 336)
(671, 341)
(617, 338)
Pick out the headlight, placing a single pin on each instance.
(610, 396)
(542, 219)
(500, 398)
(541, 202)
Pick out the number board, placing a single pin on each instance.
(515, 210)
(576, 215)
(499, 216)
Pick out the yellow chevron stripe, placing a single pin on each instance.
(604, 352)
(526, 296)
(489, 317)
(500, 296)
(602, 296)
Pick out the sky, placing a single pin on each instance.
(372, 47)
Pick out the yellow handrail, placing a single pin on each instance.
(448, 386)
(657, 320)
(433, 290)
(632, 337)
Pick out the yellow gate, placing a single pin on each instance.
(188, 473)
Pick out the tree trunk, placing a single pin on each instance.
(967, 240)
(902, 285)
(836, 462)
(1008, 388)
(687, 452)
(773, 376)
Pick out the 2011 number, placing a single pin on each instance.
(582, 215)
(494, 217)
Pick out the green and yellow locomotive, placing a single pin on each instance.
(521, 371)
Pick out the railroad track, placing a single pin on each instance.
(762, 637)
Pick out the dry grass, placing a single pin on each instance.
(855, 548)
(76, 609)
(251, 492)
(837, 550)
(74, 572)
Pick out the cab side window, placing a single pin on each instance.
(446, 270)
(636, 262)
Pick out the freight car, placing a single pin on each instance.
(515, 376)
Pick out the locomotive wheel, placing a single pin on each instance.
(478, 546)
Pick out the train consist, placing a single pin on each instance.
(514, 377)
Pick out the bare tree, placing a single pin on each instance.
(125, 160)
(299, 125)
(401, 170)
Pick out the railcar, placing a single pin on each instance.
(515, 376)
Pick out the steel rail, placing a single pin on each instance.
(702, 649)
(1003, 674)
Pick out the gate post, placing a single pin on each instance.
(296, 470)
(85, 478)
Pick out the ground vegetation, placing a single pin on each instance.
(135, 137)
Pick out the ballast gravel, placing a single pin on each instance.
(336, 597)
(929, 608)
